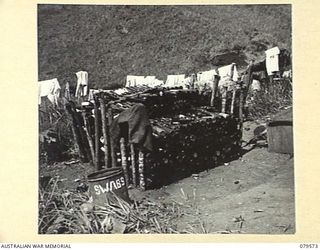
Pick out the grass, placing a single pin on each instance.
(111, 42)
(68, 212)
(270, 100)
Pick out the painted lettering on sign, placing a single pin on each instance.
(109, 186)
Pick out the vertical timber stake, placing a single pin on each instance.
(241, 107)
(141, 171)
(124, 160)
(233, 100)
(133, 165)
(88, 136)
(212, 96)
(224, 99)
(214, 90)
(96, 134)
(113, 155)
(104, 132)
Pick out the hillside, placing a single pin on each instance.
(111, 42)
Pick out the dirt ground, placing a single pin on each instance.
(253, 194)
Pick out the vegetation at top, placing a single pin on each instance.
(113, 41)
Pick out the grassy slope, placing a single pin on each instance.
(111, 42)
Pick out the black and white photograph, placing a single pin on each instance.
(165, 119)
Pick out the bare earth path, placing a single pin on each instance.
(259, 188)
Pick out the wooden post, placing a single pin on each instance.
(113, 155)
(212, 96)
(241, 107)
(234, 91)
(133, 165)
(50, 117)
(124, 160)
(224, 99)
(214, 90)
(96, 134)
(104, 132)
(248, 81)
(88, 136)
(141, 171)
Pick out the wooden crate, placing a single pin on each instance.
(280, 137)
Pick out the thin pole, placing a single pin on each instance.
(141, 171)
(212, 95)
(233, 100)
(133, 165)
(104, 132)
(88, 136)
(113, 156)
(224, 99)
(124, 160)
(214, 89)
(241, 107)
(96, 134)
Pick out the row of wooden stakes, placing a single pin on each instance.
(110, 157)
